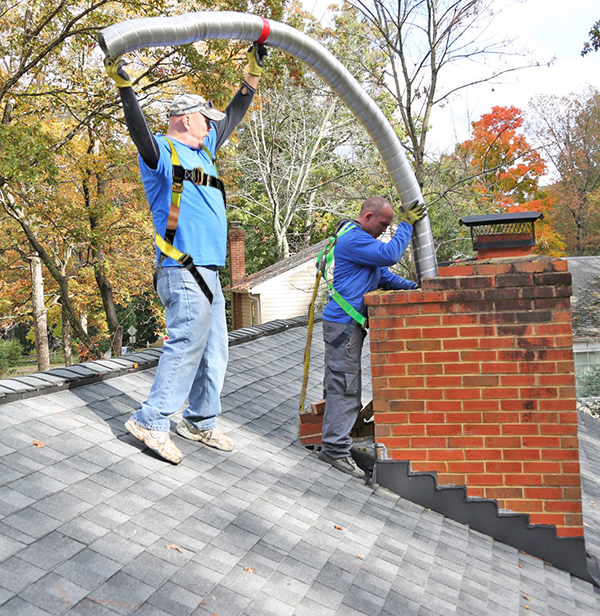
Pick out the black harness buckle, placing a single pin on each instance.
(185, 260)
(178, 177)
(198, 175)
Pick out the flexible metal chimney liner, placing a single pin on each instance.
(161, 31)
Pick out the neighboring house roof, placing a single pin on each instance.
(281, 267)
(287, 266)
(93, 523)
(585, 301)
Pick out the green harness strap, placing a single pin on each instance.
(324, 261)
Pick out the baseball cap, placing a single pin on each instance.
(194, 103)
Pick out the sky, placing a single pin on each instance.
(549, 29)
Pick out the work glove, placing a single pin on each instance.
(412, 213)
(114, 68)
(256, 56)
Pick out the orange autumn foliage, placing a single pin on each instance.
(506, 172)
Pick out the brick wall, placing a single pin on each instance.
(473, 377)
(237, 314)
(237, 263)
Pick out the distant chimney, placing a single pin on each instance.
(502, 235)
(237, 260)
(237, 252)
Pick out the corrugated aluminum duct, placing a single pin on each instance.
(160, 31)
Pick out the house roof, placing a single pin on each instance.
(281, 267)
(92, 523)
(585, 301)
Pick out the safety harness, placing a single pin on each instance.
(324, 261)
(198, 177)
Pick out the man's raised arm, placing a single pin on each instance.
(136, 122)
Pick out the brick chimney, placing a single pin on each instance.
(474, 381)
(473, 378)
(237, 262)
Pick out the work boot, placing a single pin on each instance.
(160, 442)
(346, 465)
(213, 437)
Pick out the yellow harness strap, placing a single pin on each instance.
(165, 245)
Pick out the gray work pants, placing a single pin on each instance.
(342, 386)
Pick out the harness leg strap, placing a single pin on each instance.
(191, 268)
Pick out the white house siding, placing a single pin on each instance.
(288, 295)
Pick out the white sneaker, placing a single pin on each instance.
(213, 437)
(160, 442)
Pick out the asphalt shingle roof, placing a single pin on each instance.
(585, 302)
(285, 265)
(93, 524)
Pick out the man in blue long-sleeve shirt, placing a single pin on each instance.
(361, 266)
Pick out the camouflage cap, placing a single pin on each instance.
(193, 103)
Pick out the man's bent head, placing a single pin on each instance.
(376, 215)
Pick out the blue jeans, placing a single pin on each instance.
(194, 358)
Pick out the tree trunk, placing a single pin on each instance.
(63, 282)
(308, 220)
(66, 339)
(104, 286)
(106, 293)
(39, 313)
(282, 249)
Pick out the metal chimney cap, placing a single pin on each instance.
(491, 219)
(507, 232)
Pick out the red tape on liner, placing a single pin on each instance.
(264, 35)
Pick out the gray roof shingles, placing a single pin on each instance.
(585, 301)
(93, 524)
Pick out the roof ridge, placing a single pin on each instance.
(70, 377)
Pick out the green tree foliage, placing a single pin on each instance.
(142, 312)
(10, 355)
(594, 43)
(569, 128)
(448, 193)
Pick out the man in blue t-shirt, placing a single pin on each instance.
(187, 202)
(360, 266)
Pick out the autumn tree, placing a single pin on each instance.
(503, 172)
(62, 176)
(569, 129)
(594, 43)
(423, 40)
